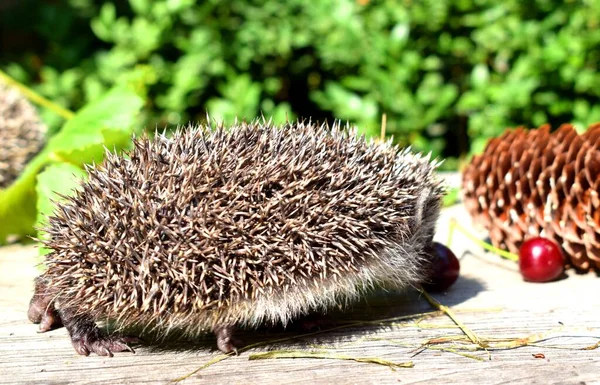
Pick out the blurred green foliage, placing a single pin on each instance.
(447, 73)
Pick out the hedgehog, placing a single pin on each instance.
(22, 134)
(213, 229)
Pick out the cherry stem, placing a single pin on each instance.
(454, 225)
(37, 98)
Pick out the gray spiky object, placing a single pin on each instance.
(22, 134)
(214, 229)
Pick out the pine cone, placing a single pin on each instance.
(22, 134)
(530, 183)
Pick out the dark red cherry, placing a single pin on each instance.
(442, 270)
(540, 260)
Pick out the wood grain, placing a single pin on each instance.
(490, 298)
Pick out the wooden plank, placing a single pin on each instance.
(490, 298)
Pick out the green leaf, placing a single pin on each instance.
(60, 178)
(480, 76)
(18, 202)
(101, 24)
(471, 101)
(140, 7)
(107, 122)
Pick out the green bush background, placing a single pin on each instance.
(447, 73)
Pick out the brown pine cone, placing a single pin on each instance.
(22, 134)
(530, 183)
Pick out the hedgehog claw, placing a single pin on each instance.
(102, 345)
(50, 320)
(80, 348)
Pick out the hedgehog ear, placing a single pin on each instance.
(420, 203)
(424, 219)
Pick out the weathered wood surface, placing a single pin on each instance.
(490, 298)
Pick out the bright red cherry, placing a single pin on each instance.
(443, 269)
(540, 260)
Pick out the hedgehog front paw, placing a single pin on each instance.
(41, 309)
(102, 345)
(43, 314)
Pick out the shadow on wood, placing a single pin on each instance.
(368, 317)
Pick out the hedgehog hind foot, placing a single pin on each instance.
(226, 342)
(41, 308)
(87, 338)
